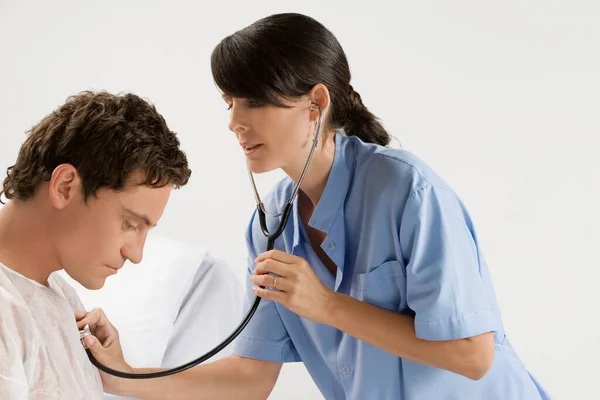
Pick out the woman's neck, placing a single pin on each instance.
(318, 171)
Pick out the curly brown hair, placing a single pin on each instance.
(106, 137)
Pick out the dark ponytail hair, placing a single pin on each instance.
(286, 55)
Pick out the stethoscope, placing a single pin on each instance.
(271, 237)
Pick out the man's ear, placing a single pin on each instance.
(65, 185)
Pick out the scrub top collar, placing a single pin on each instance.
(328, 216)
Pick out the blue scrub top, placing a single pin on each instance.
(403, 241)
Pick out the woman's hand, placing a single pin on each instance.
(295, 285)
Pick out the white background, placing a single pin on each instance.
(501, 98)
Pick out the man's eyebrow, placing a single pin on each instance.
(140, 217)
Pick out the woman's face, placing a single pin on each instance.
(272, 137)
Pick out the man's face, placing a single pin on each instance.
(94, 239)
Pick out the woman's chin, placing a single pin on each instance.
(258, 167)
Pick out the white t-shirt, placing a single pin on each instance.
(41, 356)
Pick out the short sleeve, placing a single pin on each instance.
(265, 337)
(445, 287)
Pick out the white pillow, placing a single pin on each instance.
(142, 301)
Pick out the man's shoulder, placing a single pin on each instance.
(15, 314)
(10, 296)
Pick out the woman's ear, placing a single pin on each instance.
(319, 98)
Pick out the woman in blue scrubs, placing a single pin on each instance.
(378, 284)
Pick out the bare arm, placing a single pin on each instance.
(300, 290)
(471, 357)
(231, 378)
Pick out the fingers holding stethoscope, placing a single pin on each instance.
(274, 269)
(273, 281)
(297, 286)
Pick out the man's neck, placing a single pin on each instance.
(25, 246)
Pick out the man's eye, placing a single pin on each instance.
(130, 227)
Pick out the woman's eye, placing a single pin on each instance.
(255, 103)
(249, 103)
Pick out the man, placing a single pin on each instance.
(90, 181)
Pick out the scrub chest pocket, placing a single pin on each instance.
(384, 286)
